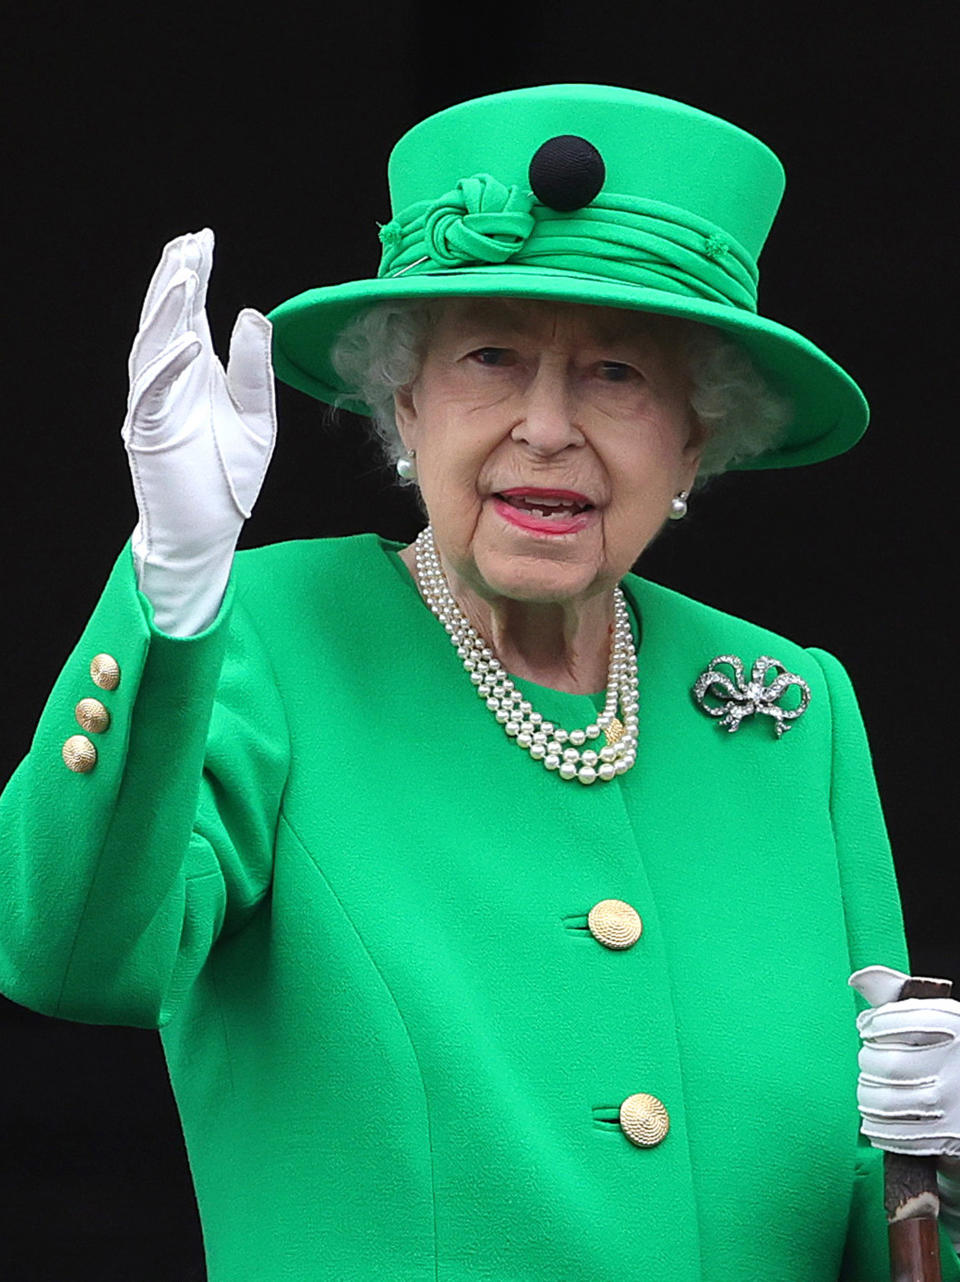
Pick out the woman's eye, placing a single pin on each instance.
(616, 371)
(491, 355)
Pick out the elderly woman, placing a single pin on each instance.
(434, 1007)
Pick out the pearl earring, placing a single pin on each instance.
(678, 506)
(407, 468)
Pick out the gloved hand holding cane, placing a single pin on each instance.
(908, 1093)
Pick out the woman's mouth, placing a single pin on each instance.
(545, 511)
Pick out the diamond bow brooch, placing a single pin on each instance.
(740, 698)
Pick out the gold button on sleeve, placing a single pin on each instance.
(92, 716)
(105, 671)
(614, 923)
(644, 1120)
(79, 754)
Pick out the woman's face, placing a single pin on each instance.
(550, 439)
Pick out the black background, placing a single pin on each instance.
(273, 128)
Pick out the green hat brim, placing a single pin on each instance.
(830, 413)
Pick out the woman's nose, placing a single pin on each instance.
(547, 423)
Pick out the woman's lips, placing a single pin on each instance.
(534, 492)
(524, 519)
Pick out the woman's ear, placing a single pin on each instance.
(405, 412)
(700, 433)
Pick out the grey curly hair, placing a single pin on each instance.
(382, 348)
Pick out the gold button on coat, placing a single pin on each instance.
(105, 671)
(92, 716)
(614, 923)
(79, 754)
(644, 1120)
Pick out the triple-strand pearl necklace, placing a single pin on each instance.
(558, 749)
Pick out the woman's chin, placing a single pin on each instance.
(501, 560)
(536, 577)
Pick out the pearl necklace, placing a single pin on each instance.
(558, 749)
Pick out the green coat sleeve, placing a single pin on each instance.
(115, 884)
(875, 933)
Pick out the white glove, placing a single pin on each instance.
(909, 1085)
(908, 1091)
(198, 440)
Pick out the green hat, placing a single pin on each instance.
(585, 194)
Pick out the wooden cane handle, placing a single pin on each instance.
(910, 1192)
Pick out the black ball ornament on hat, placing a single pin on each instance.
(566, 173)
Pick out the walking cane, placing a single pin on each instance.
(910, 1190)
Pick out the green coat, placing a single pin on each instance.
(358, 915)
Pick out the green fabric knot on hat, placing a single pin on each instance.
(716, 246)
(480, 221)
(390, 233)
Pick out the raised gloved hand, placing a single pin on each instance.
(908, 1091)
(198, 439)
